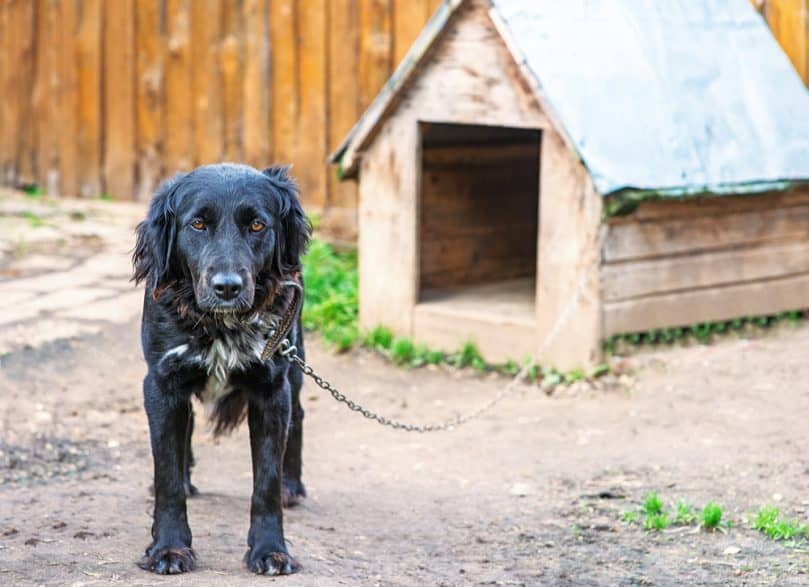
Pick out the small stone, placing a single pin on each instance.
(731, 550)
(520, 489)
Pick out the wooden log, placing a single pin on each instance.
(232, 71)
(340, 214)
(256, 82)
(178, 99)
(88, 136)
(311, 152)
(119, 99)
(149, 98)
(205, 45)
(68, 102)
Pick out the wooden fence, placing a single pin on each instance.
(109, 96)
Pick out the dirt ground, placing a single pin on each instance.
(531, 494)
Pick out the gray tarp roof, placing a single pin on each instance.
(672, 96)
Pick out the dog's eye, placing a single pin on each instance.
(198, 224)
(256, 226)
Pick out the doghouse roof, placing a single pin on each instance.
(671, 96)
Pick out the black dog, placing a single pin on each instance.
(215, 249)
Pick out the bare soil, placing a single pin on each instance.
(531, 494)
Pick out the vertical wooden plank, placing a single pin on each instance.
(376, 48)
(284, 71)
(88, 136)
(44, 97)
(6, 112)
(205, 36)
(232, 78)
(310, 156)
(149, 95)
(409, 17)
(68, 103)
(119, 99)
(178, 110)
(256, 83)
(25, 33)
(340, 216)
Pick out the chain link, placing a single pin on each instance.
(289, 352)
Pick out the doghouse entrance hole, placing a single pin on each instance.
(478, 220)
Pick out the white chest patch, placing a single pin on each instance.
(238, 346)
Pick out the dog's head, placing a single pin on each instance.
(231, 232)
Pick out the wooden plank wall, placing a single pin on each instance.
(678, 263)
(108, 97)
(105, 97)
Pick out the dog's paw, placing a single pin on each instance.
(168, 561)
(270, 563)
(292, 492)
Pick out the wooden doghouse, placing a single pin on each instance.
(539, 175)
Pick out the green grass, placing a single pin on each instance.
(769, 521)
(711, 516)
(652, 504)
(684, 514)
(657, 522)
(331, 295)
(702, 332)
(34, 219)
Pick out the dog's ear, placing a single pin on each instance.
(294, 230)
(155, 238)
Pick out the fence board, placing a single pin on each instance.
(285, 86)
(232, 64)
(409, 17)
(68, 102)
(344, 110)
(149, 95)
(88, 135)
(312, 147)
(119, 99)
(6, 112)
(207, 84)
(24, 33)
(256, 83)
(789, 21)
(376, 47)
(177, 63)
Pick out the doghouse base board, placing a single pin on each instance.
(499, 318)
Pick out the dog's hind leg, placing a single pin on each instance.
(188, 457)
(170, 551)
(293, 490)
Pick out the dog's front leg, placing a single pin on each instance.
(170, 551)
(268, 419)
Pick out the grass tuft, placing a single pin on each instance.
(711, 516)
(774, 526)
(652, 504)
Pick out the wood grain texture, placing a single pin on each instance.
(256, 125)
(178, 120)
(760, 221)
(232, 66)
(119, 99)
(376, 47)
(68, 102)
(149, 104)
(206, 19)
(409, 17)
(313, 99)
(7, 112)
(89, 132)
(753, 298)
(285, 82)
(45, 97)
(789, 22)
(340, 212)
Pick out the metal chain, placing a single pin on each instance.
(289, 352)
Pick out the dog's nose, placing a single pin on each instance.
(227, 285)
